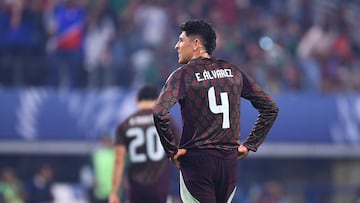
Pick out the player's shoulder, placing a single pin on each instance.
(126, 121)
(141, 117)
(182, 68)
(176, 73)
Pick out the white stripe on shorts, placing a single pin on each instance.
(185, 195)
(232, 195)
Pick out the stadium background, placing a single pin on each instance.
(69, 71)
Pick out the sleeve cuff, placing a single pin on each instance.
(250, 147)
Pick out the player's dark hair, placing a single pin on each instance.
(147, 92)
(203, 30)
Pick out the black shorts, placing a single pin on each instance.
(208, 178)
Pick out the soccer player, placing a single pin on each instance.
(209, 91)
(149, 169)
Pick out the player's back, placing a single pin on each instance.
(210, 104)
(148, 165)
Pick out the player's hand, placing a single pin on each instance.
(242, 152)
(114, 198)
(175, 158)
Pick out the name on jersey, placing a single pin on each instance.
(141, 120)
(213, 74)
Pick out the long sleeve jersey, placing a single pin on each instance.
(209, 92)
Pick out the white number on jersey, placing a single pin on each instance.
(148, 137)
(223, 108)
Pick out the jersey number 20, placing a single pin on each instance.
(150, 139)
(223, 108)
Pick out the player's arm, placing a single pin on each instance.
(168, 97)
(119, 165)
(175, 128)
(266, 107)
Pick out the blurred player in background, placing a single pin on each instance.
(103, 163)
(209, 91)
(149, 169)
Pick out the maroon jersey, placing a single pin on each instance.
(149, 168)
(209, 92)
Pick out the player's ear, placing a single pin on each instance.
(197, 44)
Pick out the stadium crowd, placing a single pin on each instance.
(296, 45)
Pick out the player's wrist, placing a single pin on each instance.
(247, 147)
(171, 155)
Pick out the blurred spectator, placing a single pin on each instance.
(274, 193)
(152, 20)
(342, 73)
(11, 188)
(121, 42)
(21, 42)
(103, 163)
(144, 64)
(124, 74)
(117, 6)
(313, 51)
(39, 188)
(268, 192)
(65, 26)
(100, 32)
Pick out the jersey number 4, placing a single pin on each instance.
(150, 139)
(223, 108)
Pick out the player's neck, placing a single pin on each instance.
(146, 104)
(201, 53)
